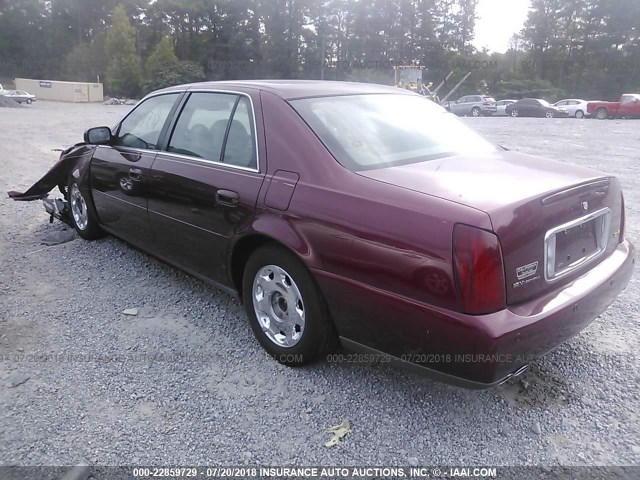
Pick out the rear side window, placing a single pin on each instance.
(216, 127)
(142, 127)
(239, 149)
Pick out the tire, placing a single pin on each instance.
(579, 114)
(288, 292)
(549, 114)
(602, 114)
(29, 101)
(475, 112)
(81, 212)
(514, 113)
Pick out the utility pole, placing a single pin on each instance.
(322, 59)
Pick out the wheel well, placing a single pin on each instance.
(241, 253)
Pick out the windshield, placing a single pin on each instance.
(375, 131)
(544, 102)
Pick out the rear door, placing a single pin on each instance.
(206, 182)
(458, 107)
(120, 171)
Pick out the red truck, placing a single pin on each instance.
(627, 107)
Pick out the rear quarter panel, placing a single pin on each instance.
(345, 226)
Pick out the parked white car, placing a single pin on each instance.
(576, 107)
(501, 105)
(20, 96)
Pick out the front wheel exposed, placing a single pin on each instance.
(82, 217)
(579, 114)
(549, 114)
(514, 112)
(602, 114)
(285, 308)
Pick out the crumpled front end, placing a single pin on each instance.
(71, 162)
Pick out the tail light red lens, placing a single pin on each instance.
(622, 220)
(479, 270)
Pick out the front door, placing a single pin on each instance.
(120, 171)
(206, 183)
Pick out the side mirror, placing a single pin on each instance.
(98, 136)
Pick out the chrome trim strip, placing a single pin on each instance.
(113, 197)
(205, 162)
(601, 242)
(174, 219)
(124, 149)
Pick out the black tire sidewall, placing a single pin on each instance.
(318, 334)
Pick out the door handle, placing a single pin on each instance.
(227, 197)
(135, 173)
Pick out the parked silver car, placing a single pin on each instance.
(501, 106)
(473, 105)
(575, 106)
(20, 96)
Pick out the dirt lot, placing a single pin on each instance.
(184, 382)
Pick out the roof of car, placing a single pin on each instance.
(291, 89)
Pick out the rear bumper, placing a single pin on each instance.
(473, 351)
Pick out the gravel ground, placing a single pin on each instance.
(184, 382)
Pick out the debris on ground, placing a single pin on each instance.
(18, 380)
(130, 311)
(59, 237)
(120, 101)
(338, 433)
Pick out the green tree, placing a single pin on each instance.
(163, 69)
(162, 56)
(123, 72)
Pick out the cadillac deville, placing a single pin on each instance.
(355, 213)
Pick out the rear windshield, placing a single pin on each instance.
(365, 132)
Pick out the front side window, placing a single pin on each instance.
(216, 127)
(375, 131)
(142, 127)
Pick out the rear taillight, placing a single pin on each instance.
(479, 269)
(622, 220)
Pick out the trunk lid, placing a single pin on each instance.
(542, 211)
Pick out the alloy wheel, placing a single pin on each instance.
(78, 207)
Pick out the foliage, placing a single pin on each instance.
(581, 48)
(123, 72)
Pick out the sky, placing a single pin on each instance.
(498, 20)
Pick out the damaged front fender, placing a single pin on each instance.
(73, 161)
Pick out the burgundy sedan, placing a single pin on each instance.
(355, 213)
